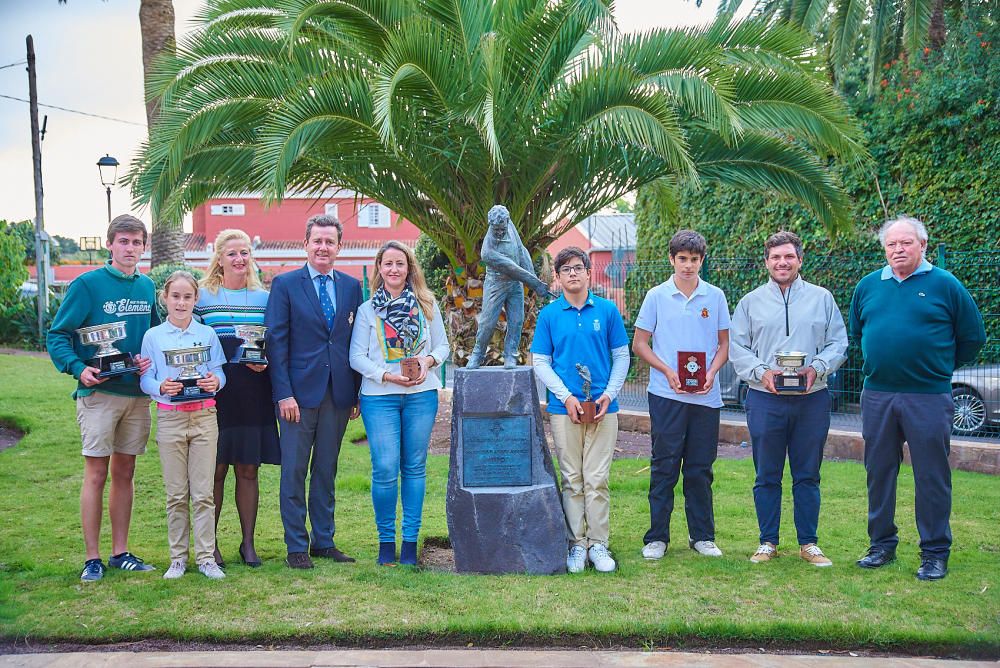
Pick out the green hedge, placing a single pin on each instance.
(933, 129)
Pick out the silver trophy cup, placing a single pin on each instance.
(110, 360)
(252, 350)
(790, 381)
(187, 360)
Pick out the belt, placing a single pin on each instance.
(187, 406)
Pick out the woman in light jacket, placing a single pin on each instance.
(401, 320)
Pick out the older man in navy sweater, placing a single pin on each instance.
(917, 324)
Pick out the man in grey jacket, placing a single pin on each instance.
(787, 314)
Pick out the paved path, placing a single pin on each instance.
(462, 658)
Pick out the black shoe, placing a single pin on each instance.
(330, 553)
(386, 554)
(251, 564)
(408, 553)
(932, 568)
(877, 557)
(298, 560)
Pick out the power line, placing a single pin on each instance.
(75, 111)
(20, 62)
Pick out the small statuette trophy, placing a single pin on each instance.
(252, 350)
(588, 405)
(188, 359)
(110, 360)
(409, 366)
(691, 369)
(790, 381)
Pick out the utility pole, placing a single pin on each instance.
(41, 237)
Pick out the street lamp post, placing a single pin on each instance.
(108, 169)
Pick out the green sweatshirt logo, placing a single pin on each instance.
(126, 306)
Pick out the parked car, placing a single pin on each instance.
(976, 393)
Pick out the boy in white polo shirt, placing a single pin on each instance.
(683, 315)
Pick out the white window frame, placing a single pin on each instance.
(228, 210)
(374, 215)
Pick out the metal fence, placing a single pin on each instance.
(976, 388)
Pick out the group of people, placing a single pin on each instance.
(332, 356)
(915, 323)
(329, 357)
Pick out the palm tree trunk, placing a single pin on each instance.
(936, 32)
(156, 23)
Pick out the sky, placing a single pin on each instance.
(89, 58)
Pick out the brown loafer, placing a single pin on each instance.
(298, 560)
(331, 553)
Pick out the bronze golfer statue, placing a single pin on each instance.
(508, 266)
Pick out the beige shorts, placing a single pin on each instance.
(110, 423)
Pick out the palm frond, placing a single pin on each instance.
(916, 23)
(845, 28)
(763, 162)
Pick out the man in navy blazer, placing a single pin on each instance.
(309, 317)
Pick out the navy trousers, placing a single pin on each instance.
(796, 426)
(924, 422)
(311, 446)
(685, 440)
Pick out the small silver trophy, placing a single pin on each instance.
(110, 360)
(187, 360)
(588, 405)
(252, 349)
(790, 380)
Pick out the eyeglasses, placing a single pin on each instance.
(574, 269)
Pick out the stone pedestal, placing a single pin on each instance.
(504, 513)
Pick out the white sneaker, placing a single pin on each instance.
(654, 550)
(211, 570)
(706, 548)
(601, 558)
(576, 561)
(177, 569)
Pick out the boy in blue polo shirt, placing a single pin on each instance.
(575, 331)
(683, 314)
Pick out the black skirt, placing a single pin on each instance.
(248, 429)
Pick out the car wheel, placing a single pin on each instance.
(970, 411)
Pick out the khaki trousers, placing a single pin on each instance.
(585, 452)
(187, 442)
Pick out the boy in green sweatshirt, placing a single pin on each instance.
(113, 413)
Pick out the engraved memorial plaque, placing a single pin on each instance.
(496, 451)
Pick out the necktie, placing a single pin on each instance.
(325, 302)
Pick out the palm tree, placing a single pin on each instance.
(888, 27)
(442, 108)
(156, 24)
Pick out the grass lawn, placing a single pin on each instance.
(683, 600)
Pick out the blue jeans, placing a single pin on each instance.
(795, 426)
(399, 432)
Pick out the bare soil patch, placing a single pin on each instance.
(437, 554)
(9, 436)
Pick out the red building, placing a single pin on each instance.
(278, 233)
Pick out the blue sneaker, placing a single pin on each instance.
(93, 570)
(127, 561)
